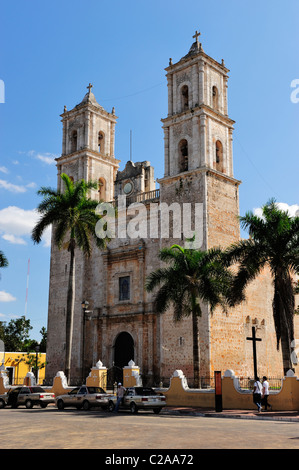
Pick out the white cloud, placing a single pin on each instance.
(3, 169)
(45, 157)
(13, 239)
(48, 158)
(31, 185)
(292, 210)
(12, 187)
(16, 225)
(6, 297)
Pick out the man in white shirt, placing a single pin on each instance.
(257, 394)
(120, 394)
(265, 394)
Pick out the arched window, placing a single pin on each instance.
(101, 142)
(215, 97)
(102, 189)
(183, 155)
(74, 141)
(185, 97)
(219, 156)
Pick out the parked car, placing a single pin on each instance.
(84, 397)
(3, 400)
(140, 398)
(27, 396)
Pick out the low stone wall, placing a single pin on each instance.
(179, 394)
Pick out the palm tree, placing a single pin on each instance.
(3, 260)
(72, 214)
(273, 242)
(192, 277)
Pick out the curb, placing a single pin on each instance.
(222, 415)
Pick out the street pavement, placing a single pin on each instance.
(174, 428)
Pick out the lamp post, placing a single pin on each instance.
(84, 305)
(37, 347)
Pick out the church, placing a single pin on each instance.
(120, 323)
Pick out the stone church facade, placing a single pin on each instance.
(121, 323)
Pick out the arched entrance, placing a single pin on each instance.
(123, 349)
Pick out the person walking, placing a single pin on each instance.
(257, 394)
(120, 395)
(265, 394)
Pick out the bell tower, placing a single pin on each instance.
(198, 144)
(197, 130)
(88, 146)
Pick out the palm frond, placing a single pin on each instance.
(3, 260)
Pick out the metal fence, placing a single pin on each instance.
(164, 382)
(247, 383)
(114, 375)
(17, 381)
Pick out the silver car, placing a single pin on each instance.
(140, 398)
(3, 400)
(27, 396)
(84, 397)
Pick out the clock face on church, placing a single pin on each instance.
(128, 188)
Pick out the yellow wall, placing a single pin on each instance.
(17, 361)
(287, 399)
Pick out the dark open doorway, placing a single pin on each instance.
(123, 349)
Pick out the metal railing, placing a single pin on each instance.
(148, 196)
(247, 383)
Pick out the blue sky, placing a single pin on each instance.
(50, 51)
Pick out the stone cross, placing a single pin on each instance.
(89, 87)
(196, 36)
(254, 340)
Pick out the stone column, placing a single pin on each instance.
(174, 95)
(63, 137)
(112, 135)
(195, 162)
(87, 129)
(166, 150)
(170, 94)
(203, 140)
(67, 139)
(225, 87)
(201, 83)
(230, 166)
(195, 83)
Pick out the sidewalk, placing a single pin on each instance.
(292, 416)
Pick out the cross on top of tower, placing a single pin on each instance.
(90, 86)
(196, 36)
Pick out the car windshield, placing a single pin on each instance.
(36, 389)
(144, 391)
(95, 390)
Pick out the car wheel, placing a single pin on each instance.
(2, 403)
(111, 406)
(86, 405)
(133, 408)
(29, 404)
(43, 405)
(60, 405)
(157, 410)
